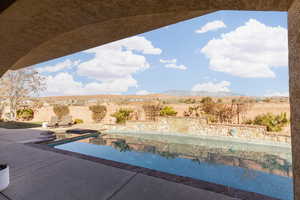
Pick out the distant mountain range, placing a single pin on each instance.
(199, 93)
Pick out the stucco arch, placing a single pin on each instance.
(35, 31)
(96, 34)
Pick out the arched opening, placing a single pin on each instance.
(162, 84)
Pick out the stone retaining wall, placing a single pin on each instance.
(196, 126)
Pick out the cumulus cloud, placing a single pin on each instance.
(276, 94)
(117, 59)
(66, 64)
(212, 87)
(110, 70)
(211, 26)
(250, 51)
(143, 92)
(173, 64)
(138, 43)
(64, 84)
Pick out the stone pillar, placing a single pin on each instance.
(294, 84)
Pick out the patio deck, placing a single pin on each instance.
(40, 174)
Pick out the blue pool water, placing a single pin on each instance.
(237, 177)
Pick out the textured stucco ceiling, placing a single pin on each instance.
(35, 31)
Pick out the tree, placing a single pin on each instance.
(241, 106)
(17, 85)
(61, 111)
(224, 112)
(99, 112)
(208, 106)
(217, 111)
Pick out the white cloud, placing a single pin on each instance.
(277, 94)
(211, 26)
(251, 50)
(168, 61)
(64, 84)
(140, 44)
(117, 59)
(173, 64)
(66, 64)
(212, 87)
(110, 69)
(143, 92)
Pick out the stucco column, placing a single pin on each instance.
(2, 71)
(294, 84)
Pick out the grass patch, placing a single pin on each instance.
(20, 125)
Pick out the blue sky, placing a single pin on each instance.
(240, 52)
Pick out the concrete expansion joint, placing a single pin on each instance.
(122, 186)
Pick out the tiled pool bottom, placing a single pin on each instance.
(226, 167)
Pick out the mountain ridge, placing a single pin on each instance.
(199, 93)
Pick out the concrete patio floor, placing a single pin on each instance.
(38, 174)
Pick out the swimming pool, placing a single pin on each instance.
(261, 169)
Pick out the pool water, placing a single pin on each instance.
(264, 170)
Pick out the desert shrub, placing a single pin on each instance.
(206, 100)
(26, 114)
(267, 100)
(188, 101)
(167, 111)
(219, 101)
(248, 121)
(208, 105)
(168, 155)
(212, 119)
(61, 110)
(193, 111)
(78, 121)
(121, 145)
(98, 112)
(152, 111)
(274, 123)
(122, 115)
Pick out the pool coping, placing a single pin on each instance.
(218, 188)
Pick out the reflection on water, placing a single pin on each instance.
(262, 169)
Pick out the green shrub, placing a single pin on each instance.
(98, 112)
(61, 110)
(26, 114)
(78, 121)
(274, 123)
(168, 111)
(122, 115)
